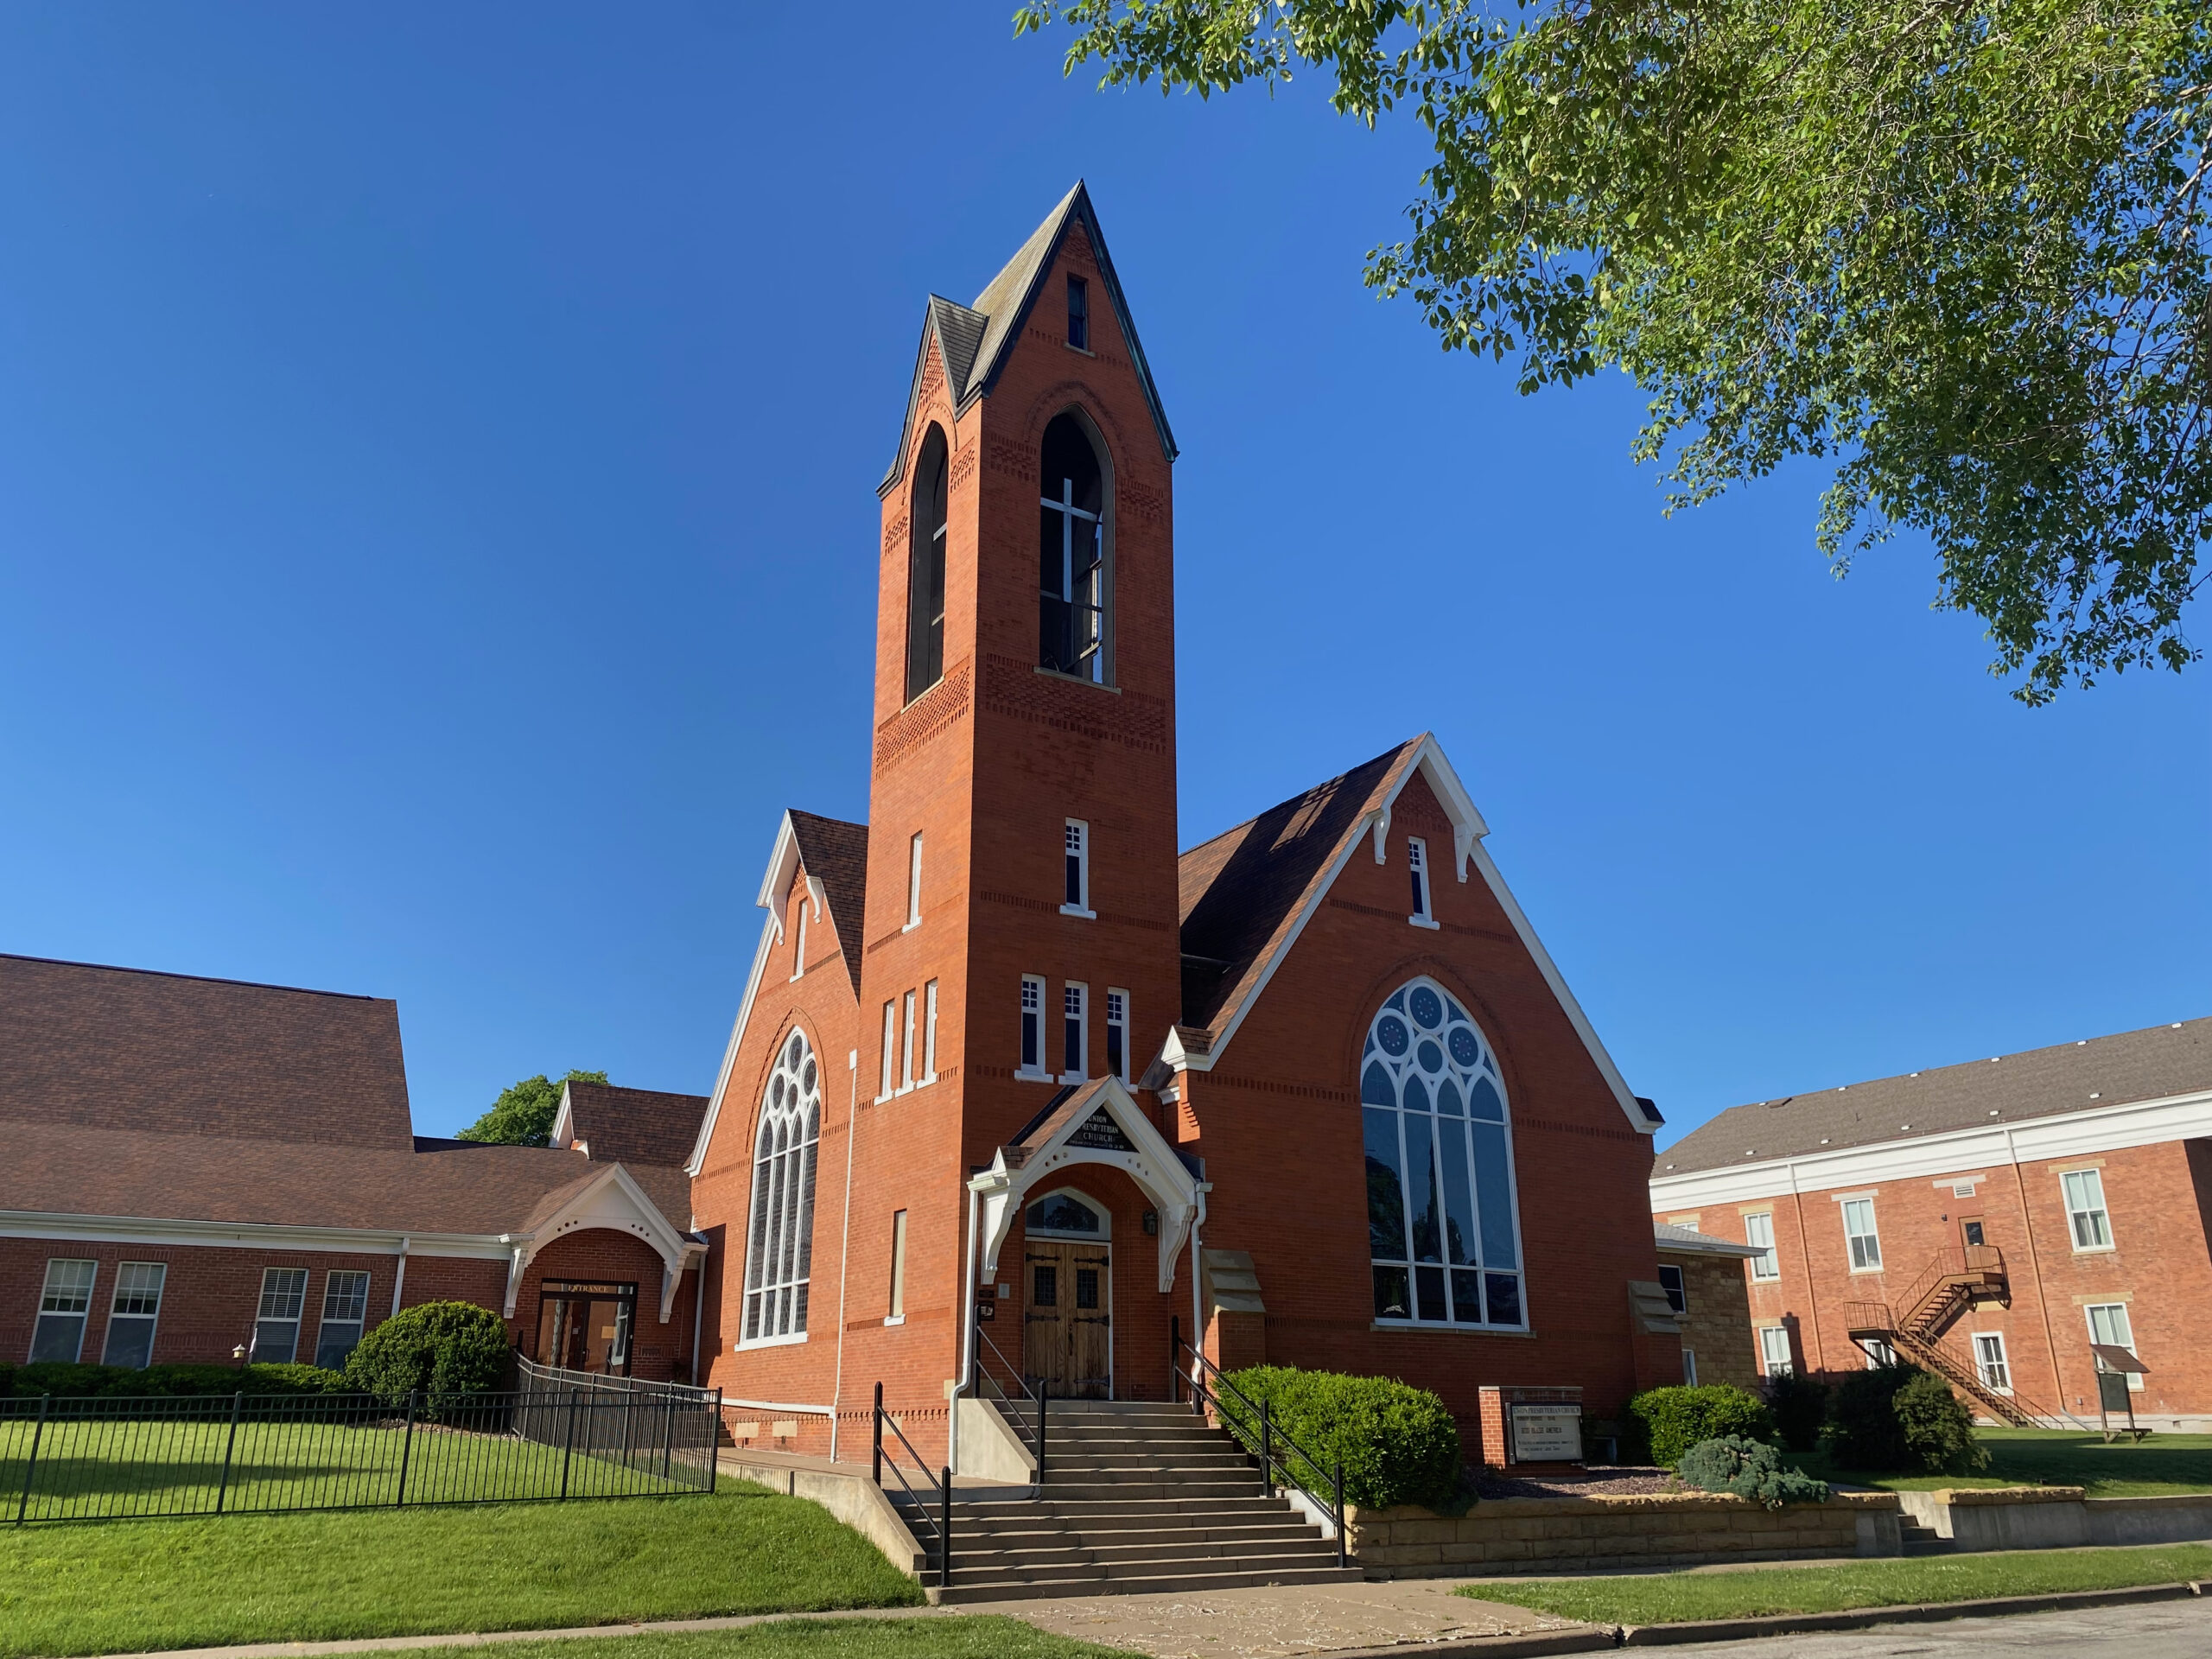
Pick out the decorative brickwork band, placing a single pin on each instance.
(1013, 687)
(943, 705)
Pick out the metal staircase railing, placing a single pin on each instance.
(1255, 1430)
(940, 1524)
(1028, 1429)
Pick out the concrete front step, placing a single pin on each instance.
(1165, 1583)
(1115, 1506)
(1012, 1563)
(1045, 1530)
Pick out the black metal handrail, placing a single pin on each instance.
(979, 1374)
(941, 1524)
(1207, 1385)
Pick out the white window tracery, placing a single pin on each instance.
(1443, 1224)
(779, 1250)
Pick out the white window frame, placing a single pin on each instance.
(774, 1305)
(1863, 1249)
(887, 1079)
(1075, 861)
(279, 1289)
(1030, 1055)
(929, 1032)
(2096, 1214)
(1767, 1266)
(1878, 1353)
(120, 1316)
(895, 1304)
(1117, 1029)
(1417, 861)
(336, 1316)
(2089, 1312)
(906, 1043)
(913, 883)
(1075, 1020)
(1992, 1369)
(1689, 1368)
(1773, 1363)
(1678, 1293)
(67, 1301)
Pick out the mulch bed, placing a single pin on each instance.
(1624, 1481)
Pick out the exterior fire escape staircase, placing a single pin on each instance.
(1956, 1279)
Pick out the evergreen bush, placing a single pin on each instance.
(1399, 1444)
(1938, 1428)
(67, 1381)
(441, 1348)
(1800, 1406)
(1749, 1468)
(1863, 1432)
(1673, 1420)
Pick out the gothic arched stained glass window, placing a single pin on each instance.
(779, 1250)
(1443, 1228)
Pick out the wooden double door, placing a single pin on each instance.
(1067, 1339)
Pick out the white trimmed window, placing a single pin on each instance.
(1989, 1362)
(1075, 1018)
(345, 1308)
(1878, 1353)
(1117, 1034)
(2110, 1325)
(1774, 1351)
(63, 1305)
(1075, 885)
(914, 881)
(2085, 1209)
(1858, 1233)
(1689, 1368)
(895, 1313)
(276, 1322)
(798, 934)
(1670, 1280)
(1759, 1231)
(928, 1032)
(132, 1314)
(906, 1043)
(889, 1080)
(1033, 1027)
(1417, 861)
(779, 1242)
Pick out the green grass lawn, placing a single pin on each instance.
(1669, 1598)
(958, 1637)
(118, 1466)
(120, 1586)
(2163, 1465)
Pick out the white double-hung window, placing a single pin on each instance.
(345, 1308)
(2085, 1209)
(1117, 1034)
(888, 1080)
(276, 1323)
(1075, 1016)
(1774, 1351)
(1033, 1028)
(929, 1032)
(133, 1315)
(63, 1305)
(2110, 1326)
(1417, 860)
(1858, 1232)
(1759, 1231)
(907, 1048)
(1989, 1362)
(1075, 886)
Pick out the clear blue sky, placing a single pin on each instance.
(436, 526)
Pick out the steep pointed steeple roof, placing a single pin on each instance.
(973, 341)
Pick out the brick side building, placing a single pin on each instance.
(1013, 1077)
(1703, 1277)
(1993, 1220)
(197, 1166)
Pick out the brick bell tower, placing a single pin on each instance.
(1021, 910)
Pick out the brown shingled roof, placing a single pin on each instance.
(634, 1126)
(67, 1169)
(835, 853)
(1243, 891)
(2147, 1064)
(127, 1049)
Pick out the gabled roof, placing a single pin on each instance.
(835, 853)
(636, 1127)
(125, 1048)
(2097, 1073)
(974, 341)
(1247, 895)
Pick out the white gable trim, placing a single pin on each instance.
(783, 861)
(1468, 829)
(613, 1200)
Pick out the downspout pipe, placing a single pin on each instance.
(399, 1276)
(845, 1238)
(967, 1341)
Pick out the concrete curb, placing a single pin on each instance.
(1531, 1644)
(1919, 1612)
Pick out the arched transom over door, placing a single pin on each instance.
(1443, 1224)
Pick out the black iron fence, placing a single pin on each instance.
(549, 1439)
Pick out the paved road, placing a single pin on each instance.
(2171, 1629)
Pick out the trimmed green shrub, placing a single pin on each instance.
(1399, 1444)
(1863, 1430)
(1800, 1406)
(439, 1348)
(1733, 1464)
(1938, 1428)
(68, 1382)
(1675, 1419)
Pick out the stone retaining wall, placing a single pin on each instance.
(2056, 1517)
(1522, 1534)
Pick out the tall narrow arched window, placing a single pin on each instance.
(779, 1250)
(1072, 600)
(926, 569)
(1442, 1221)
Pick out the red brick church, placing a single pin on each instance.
(1012, 1070)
